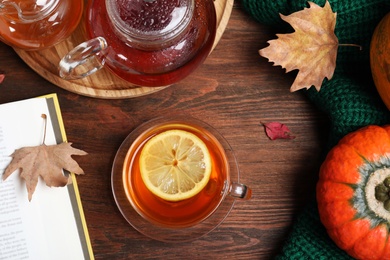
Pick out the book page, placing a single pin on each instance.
(45, 227)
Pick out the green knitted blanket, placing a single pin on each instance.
(349, 99)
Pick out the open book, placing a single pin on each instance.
(52, 225)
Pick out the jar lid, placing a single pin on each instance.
(150, 21)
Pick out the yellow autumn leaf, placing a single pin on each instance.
(311, 48)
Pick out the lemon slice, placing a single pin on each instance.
(175, 165)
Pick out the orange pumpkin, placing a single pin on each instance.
(380, 59)
(353, 193)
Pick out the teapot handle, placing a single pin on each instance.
(83, 60)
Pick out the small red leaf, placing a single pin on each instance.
(2, 76)
(276, 130)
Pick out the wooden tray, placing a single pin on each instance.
(102, 84)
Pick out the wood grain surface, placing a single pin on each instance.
(234, 91)
(102, 84)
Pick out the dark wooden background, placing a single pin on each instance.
(234, 90)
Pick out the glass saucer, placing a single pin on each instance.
(163, 233)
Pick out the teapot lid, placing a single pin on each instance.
(150, 21)
(26, 11)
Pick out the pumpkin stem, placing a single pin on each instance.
(377, 192)
(382, 193)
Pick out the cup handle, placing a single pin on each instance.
(83, 60)
(240, 191)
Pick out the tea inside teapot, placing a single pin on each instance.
(145, 42)
(38, 24)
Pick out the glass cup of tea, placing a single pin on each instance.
(38, 24)
(185, 219)
(150, 43)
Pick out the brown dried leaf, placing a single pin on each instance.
(312, 48)
(2, 77)
(45, 161)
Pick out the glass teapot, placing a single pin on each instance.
(38, 24)
(145, 42)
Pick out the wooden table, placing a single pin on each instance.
(234, 90)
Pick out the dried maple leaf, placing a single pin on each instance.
(45, 161)
(312, 48)
(276, 130)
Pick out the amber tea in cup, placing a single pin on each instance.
(191, 211)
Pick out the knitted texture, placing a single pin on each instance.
(349, 99)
